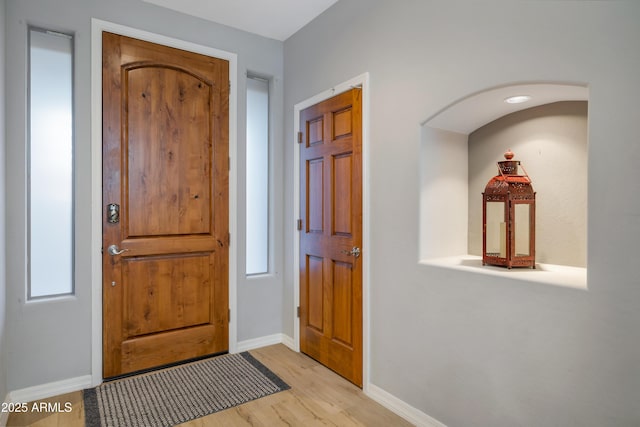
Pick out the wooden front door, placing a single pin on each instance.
(331, 235)
(165, 201)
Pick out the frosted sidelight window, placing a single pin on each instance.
(50, 164)
(257, 161)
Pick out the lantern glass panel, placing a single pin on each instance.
(521, 229)
(496, 231)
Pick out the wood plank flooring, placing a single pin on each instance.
(318, 397)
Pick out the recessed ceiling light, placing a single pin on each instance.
(518, 99)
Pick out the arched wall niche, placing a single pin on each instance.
(463, 141)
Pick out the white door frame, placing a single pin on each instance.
(97, 27)
(359, 81)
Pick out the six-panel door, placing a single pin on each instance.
(331, 235)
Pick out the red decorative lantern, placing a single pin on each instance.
(508, 217)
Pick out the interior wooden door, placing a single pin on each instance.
(165, 200)
(331, 234)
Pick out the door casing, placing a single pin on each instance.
(359, 81)
(97, 27)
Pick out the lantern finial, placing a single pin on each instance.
(509, 154)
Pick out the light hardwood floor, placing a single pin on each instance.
(318, 397)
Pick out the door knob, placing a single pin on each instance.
(113, 250)
(355, 251)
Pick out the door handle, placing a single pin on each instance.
(355, 251)
(113, 250)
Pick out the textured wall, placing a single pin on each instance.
(468, 349)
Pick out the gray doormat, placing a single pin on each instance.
(180, 394)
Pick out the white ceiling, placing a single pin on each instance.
(475, 111)
(275, 19)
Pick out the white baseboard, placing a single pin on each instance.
(289, 342)
(401, 408)
(259, 342)
(265, 341)
(44, 391)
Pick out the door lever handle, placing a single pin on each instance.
(113, 250)
(355, 251)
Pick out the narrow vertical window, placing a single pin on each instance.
(50, 164)
(257, 161)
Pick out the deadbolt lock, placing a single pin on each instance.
(113, 213)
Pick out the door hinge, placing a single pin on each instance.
(229, 315)
(229, 163)
(229, 87)
(299, 137)
(228, 239)
(299, 224)
(298, 311)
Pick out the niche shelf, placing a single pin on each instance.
(448, 181)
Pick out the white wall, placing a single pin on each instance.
(51, 341)
(3, 340)
(444, 185)
(469, 349)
